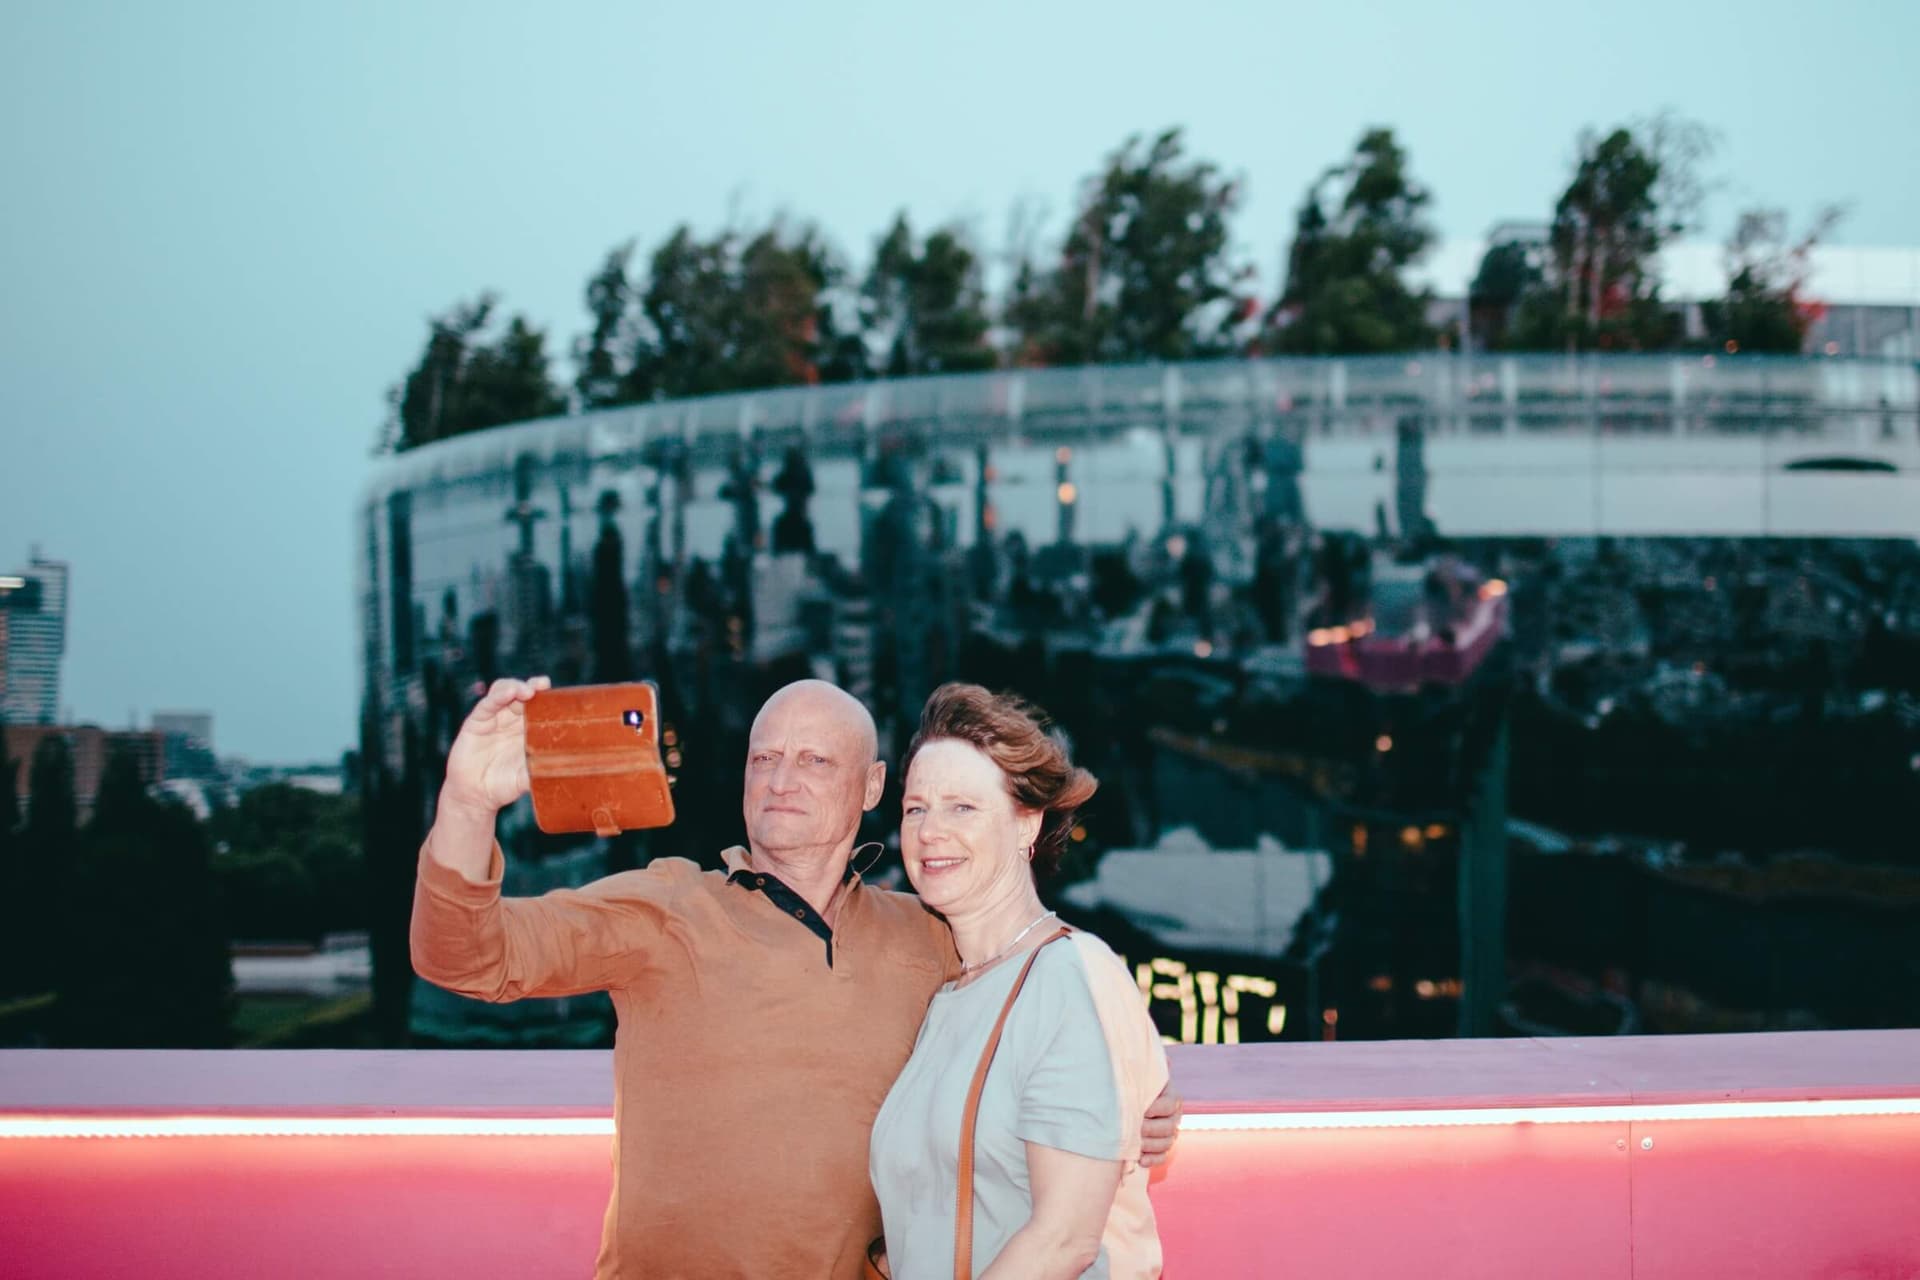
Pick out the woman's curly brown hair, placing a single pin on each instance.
(1017, 736)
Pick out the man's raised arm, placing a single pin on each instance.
(465, 936)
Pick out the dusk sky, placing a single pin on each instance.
(225, 225)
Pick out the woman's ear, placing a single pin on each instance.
(1029, 825)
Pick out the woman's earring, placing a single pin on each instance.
(878, 849)
(1029, 853)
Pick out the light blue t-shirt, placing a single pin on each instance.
(1060, 1078)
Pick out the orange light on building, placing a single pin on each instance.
(1202, 648)
(1383, 743)
(1067, 493)
(1411, 838)
(1063, 455)
(1493, 589)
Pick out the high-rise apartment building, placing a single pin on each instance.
(33, 638)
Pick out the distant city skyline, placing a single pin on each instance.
(228, 224)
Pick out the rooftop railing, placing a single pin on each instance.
(1776, 1155)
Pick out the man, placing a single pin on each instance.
(764, 1010)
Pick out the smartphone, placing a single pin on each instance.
(593, 758)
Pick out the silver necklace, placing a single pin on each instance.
(1005, 951)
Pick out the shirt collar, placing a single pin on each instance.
(740, 871)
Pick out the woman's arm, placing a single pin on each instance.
(1072, 1196)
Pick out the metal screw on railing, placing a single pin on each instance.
(1646, 1144)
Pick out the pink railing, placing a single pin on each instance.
(1787, 1156)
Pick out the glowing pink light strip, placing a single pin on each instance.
(602, 1126)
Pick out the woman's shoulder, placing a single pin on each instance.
(1081, 958)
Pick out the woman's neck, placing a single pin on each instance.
(980, 936)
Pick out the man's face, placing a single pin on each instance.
(810, 773)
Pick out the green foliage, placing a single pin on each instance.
(15, 913)
(41, 871)
(147, 965)
(289, 865)
(1606, 231)
(1511, 272)
(926, 303)
(1146, 272)
(601, 354)
(466, 382)
(1762, 310)
(736, 314)
(1358, 229)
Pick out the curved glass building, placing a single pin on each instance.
(1013, 527)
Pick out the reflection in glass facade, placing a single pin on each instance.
(891, 535)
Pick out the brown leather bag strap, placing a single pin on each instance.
(963, 1221)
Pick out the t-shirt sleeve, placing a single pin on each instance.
(467, 938)
(1070, 1098)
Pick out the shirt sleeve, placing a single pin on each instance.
(1070, 1098)
(467, 938)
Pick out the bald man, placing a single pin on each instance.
(764, 1010)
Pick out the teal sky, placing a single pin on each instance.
(224, 225)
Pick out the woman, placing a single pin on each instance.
(1057, 1189)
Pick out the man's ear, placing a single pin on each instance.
(876, 784)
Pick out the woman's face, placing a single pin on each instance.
(962, 837)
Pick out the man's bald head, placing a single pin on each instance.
(825, 704)
(812, 770)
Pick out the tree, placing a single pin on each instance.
(1606, 231)
(288, 864)
(15, 914)
(1510, 272)
(737, 314)
(465, 383)
(46, 849)
(926, 303)
(509, 381)
(1763, 309)
(601, 354)
(1358, 229)
(1147, 270)
(153, 970)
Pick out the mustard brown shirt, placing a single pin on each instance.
(753, 1050)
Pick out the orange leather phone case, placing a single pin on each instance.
(593, 758)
